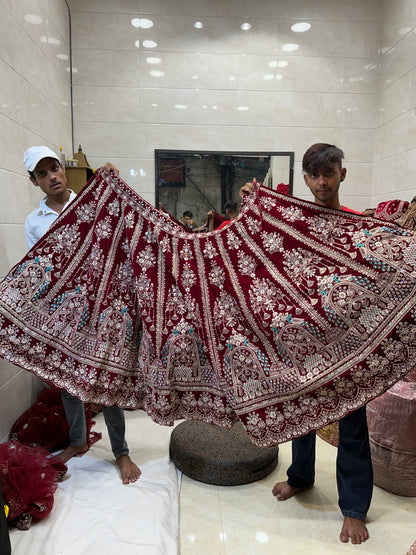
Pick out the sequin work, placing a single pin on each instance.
(288, 318)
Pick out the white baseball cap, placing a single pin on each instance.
(35, 154)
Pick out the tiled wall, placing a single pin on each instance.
(351, 81)
(395, 139)
(221, 88)
(34, 109)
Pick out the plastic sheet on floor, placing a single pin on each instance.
(94, 513)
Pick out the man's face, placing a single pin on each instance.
(324, 185)
(49, 176)
(187, 220)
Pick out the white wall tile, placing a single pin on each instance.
(16, 395)
(34, 109)
(351, 82)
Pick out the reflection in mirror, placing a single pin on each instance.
(201, 181)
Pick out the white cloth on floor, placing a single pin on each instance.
(94, 513)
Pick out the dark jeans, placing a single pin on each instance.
(114, 419)
(354, 468)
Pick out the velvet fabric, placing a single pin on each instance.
(29, 477)
(289, 318)
(44, 424)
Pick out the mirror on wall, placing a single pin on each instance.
(201, 181)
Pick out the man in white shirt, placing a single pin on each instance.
(46, 172)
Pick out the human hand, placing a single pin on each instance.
(109, 168)
(248, 188)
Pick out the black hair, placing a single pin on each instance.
(231, 205)
(319, 156)
(187, 214)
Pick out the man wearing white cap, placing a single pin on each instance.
(46, 172)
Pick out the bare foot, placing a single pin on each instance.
(283, 491)
(355, 529)
(73, 451)
(129, 471)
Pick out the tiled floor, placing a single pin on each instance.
(248, 520)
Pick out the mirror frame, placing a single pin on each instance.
(159, 151)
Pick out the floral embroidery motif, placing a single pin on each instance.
(288, 319)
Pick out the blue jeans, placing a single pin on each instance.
(354, 468)
(114, 419)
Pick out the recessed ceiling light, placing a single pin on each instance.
(245, 26)
(243, 108)
(157, 73)
(137, 44)
(198, 24)
(301, 27)
(180, 106)
(282, 63)
(153, 60)
(142, 23)
(49, 40)
(290, 47)
(268, 76)
(34, 19)
(62, 56)
(149, 44)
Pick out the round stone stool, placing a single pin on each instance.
(215, 455)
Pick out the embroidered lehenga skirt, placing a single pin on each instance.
(287, 319)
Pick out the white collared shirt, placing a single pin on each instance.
(39, 221)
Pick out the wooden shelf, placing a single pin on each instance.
(77, 177)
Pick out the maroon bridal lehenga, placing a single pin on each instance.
(288, 318)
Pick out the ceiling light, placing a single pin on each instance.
(137, 44)
(282, 63)
(153, 60)
(49, 40)
(301, 27)
(245, 26)
(62, 56)
(243, 108)
(157, 73)
(180, 106)
(290, 47)
(142, 23)
(198, 24)
(34, 19)
(268, 76)
(149, 44)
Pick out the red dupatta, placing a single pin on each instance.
(289, 318)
